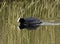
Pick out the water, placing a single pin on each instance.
(49, 23)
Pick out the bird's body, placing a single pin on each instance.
(32, 21)
(29, 23)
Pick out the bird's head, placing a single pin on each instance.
(21, 20)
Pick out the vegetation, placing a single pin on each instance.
(46, 10)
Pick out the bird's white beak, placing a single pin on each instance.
(18, 19)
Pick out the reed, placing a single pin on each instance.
(46, 10)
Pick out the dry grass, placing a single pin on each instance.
(47, 10)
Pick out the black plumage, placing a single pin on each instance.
(29, 23)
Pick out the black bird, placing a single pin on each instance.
(29, 23)
(32, 23)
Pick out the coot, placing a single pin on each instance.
(29, 23)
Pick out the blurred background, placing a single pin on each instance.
(46, 10)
